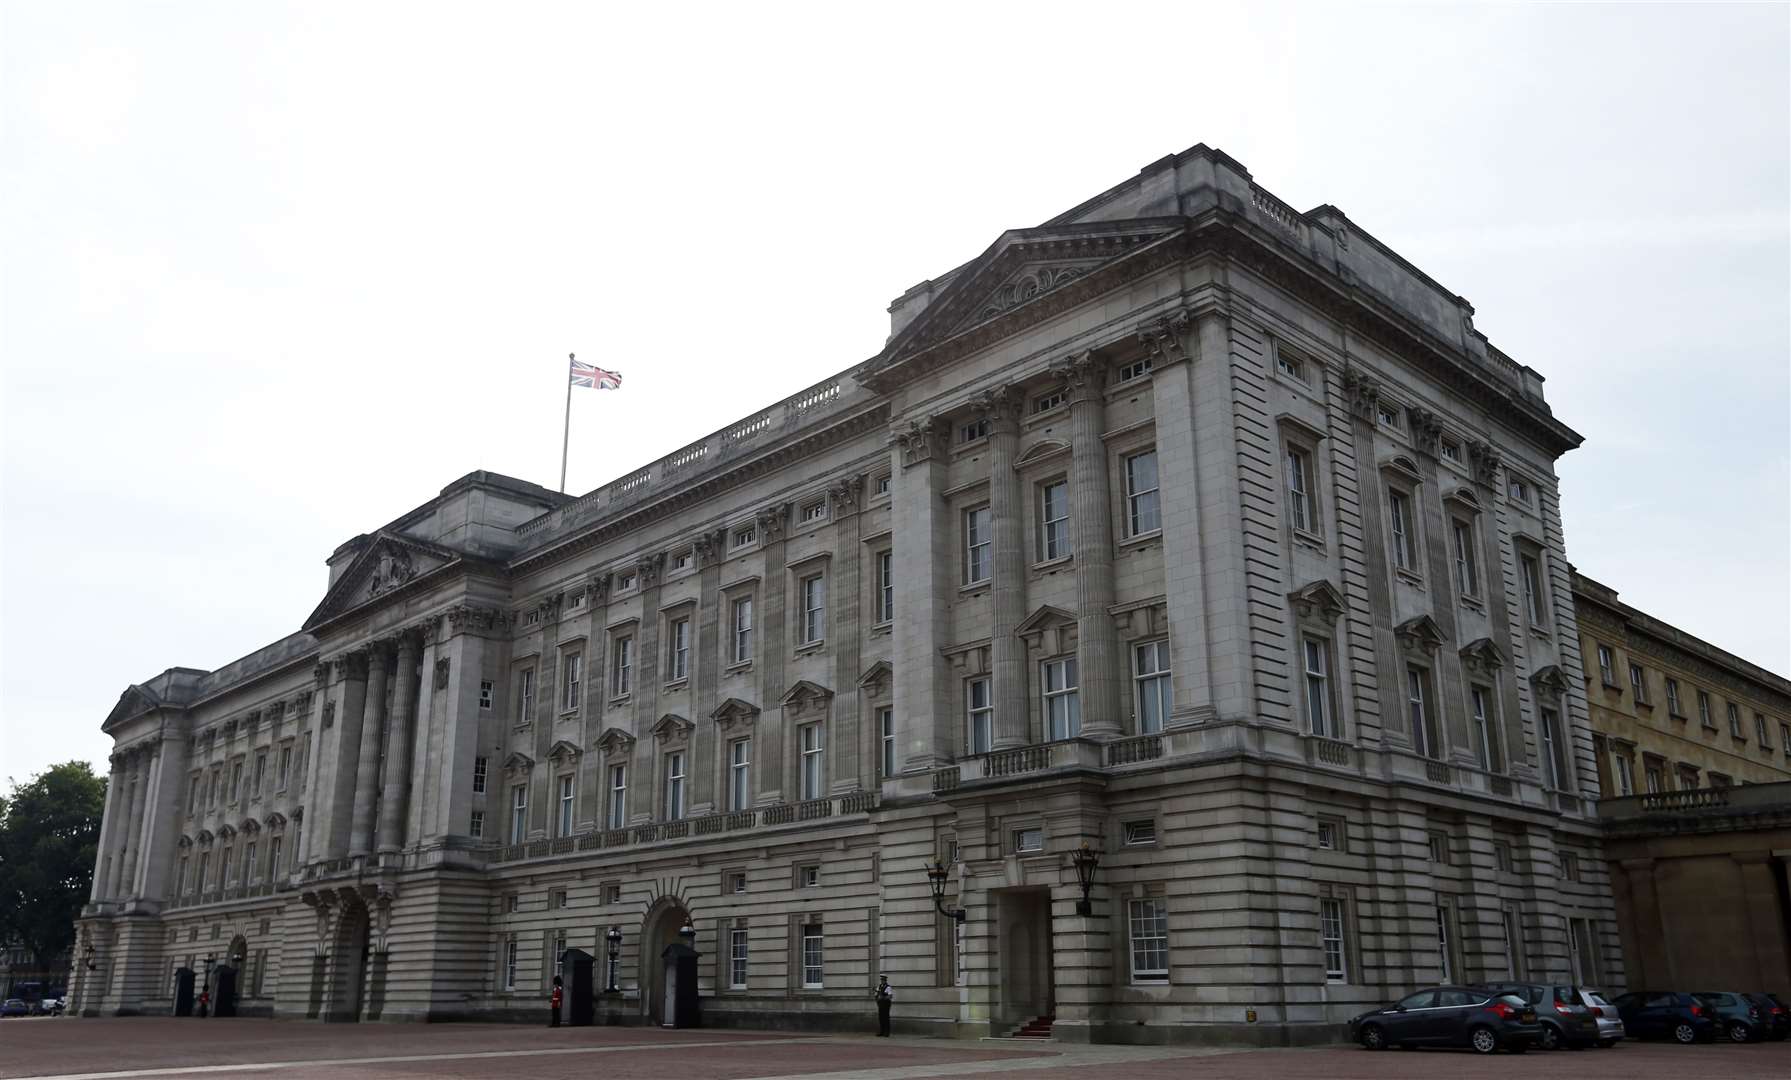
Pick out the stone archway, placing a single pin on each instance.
(347, 962)
(659, 929)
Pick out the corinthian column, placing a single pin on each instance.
(1097, 647)
(1007, 653)
(133, 825)
(398, 745)
(360, 841)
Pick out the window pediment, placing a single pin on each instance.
(564, 750)
(1482, 657)
(1049, 630)
(275, 821)
(1463, 499)
(877, 678)
(204, 838)
(805, 697)
(1402, 467)
(226, 833)
(518, 765)
(1318, 601)
(1043, 450)
(672, 730)
(1549, 682)
(1141, 619)
(249, 827)
(734, 711)
(184, 843)
(1291, 424)
(615, 740)
(1421, 634)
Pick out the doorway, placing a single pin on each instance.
(1023, 956)
(659, 930)
(347, 963)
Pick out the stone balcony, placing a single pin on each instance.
(1697, 809)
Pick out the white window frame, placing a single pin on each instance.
(1480, 723)
(1315, 669)
(812, 767)
(573, 682)
(739, 957)
(510, 950)
(1419, 712)
(475, 826)
(616, 805)
(813, 943)
(1059, 688)
(812, 594)
(675, 791)
(1144, 511)
(1548, 725)
(1445, 944)
(678, 649)
(1467, 566)
(480, 774)
(1607, 665)
(1153, 694)
(566, 818)
(884, 606)
(741, 621)
(519, 813)
(979, 718)
(1333, 939)
(525, 695)
(979, 544)
(1535, 599)
(1638, 683)
(1147, 934)
(487, 694)
(739, 774)
(1053, 520)
(1301, 511)
(621, 672)
(1403, 544)
(886, 740)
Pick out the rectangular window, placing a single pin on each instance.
(1735, 722)
(193, 794)
(886, 740)
(1519, 491)
(1026, 840)
(1553, 764)
(1290, 365)
(1063, 710)
(1148, 923)
(1451, 450)
(1508, 930)
(1137, 369)
(1399, 513)
(626, 582)
(204, 868)
(1534, 601)
(1330, 934)
(815, 511)
(559, 946)
(977, 545)
(980, 732)
(1150, 674)
(881, 485)
(225, 866)
(180, 879)
(674, 786)
(236, 780)
(812, 956)
(575, 663)
(1607, 666)
(974, 430)
(1054, 520)
(565, 819)
(1761, 732)
(618, 796)
(1654, 777)
(813, 591)
(476, 826)
(737, 883)
(1673, 707)
(739, 775)
(1143, 512)
(478, 776)
(1570, 866)
(808, 877)
(510, 965)
(1481, 727)
(273, 856)
(742, 629)
(814, 761)
(260, 775)
(1387, 415)
(885, 605)
(1638, 684)
(519, 813)
(681, 561)
(1704, 716)
(1299, 490)
(1467, 574)
(737, 959)
(1047, 402)
(1445, 945)
(1502, 856)
(745, 537)
(621, 673)
(1319, 718)
(525, 695)
(678, 650)
(1424, 736)
(1440, 851)
(485, 692)
(1140, 832)
(249, 861)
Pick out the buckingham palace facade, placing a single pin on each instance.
(1185, 527)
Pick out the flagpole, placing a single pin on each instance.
(566, 432)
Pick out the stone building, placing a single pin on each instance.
(1202, 532)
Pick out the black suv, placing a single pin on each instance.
(1665, 1014)
(1565, 1019)
(1738, 1017)
(1476, 1018)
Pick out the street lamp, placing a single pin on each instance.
(614, 937)
(688, 933)
(936, 878)
(1085, 862)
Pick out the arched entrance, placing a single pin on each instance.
(659, 930)
(347, 961)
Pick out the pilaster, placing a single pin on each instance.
(773, 659)
(927, 570)
(1097, 647)
(367, 765)
(398, 746)
(1182, 518)
(1008, 527)
(846, 727)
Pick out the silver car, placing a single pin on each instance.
(1610, 1025)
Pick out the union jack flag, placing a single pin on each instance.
(595, 378)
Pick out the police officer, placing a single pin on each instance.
(885, 995)
(554, 1001)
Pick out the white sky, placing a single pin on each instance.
(275, 274)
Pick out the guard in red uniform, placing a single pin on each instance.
(555, 1002)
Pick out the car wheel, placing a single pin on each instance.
(1740, 1032)
(1684, 1033)
(1373, 1038)
(1551, 1037)
(1483, 1040)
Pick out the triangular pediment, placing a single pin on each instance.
(1319, 600)
(563, 750)
(734, 711)
(671, 726)
(135, 701)
(388, 563)
(1549, 682)
(1044, 618)
(1482, 656)
(519, 762)
(876, 676)
(1421, 633)
(614, 739)
(1023, 274)
(804, 692)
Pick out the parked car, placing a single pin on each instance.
(1666, 1014)
(55, 1006)
(1778, 1018)
(1610, 1023)
(1564, 1018)
(1479, 1019)
(1738, 1017)
(14, 1007)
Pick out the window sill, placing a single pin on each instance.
(811, 647)
(1309, 539)
(1141, 539)
(1472, 603)
(1058, 563)
(1681, 717)
(975, 587)
(1410, 577)
(1640, 704)
(1611, 686)
(682, 682)
(887, 626)
(737, 667)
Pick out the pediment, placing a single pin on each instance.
(1044, 618)
(1025, 273)
(877, 676)
(1549, 682)
(519, 762)
(804, 692)
(1463, 498)
(204, 837)
(226, 833)
(1050, 631)
(1319, 600)
(1421, 633)
(671, 727)
(1040, 451)
(135, 701)
(184, 842)
(386, 564)
(275, 820)
(734, 711)
(614, 739)
(1403, 466)
(564, 750)
(1482, 656)
(249, 827)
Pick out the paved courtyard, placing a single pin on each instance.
(116, 1049)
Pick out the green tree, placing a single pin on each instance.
(49, 836)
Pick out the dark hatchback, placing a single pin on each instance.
(1737, 1016)
(1564, 1017)
(1665, 1014)
(1475, 1018)
(1777, 1017)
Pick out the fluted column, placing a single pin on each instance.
(366, 776)
(133, 826)
(1007, 523)
(1097, 646)
(398, 746)
(845, 734)
(108, 829)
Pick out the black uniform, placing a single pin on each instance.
(885, 995)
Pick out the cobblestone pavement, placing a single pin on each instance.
(124, 1049)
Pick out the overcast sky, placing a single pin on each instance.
(275, 274)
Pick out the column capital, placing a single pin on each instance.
(920, 440)
(1000, 406)
(708, 547)
(772, 521)
(1082, 374)
(1362, 392)
(846, 494)
(649, 568)
(1161, 337)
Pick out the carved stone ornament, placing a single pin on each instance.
(321, 673)
(1482, 657)
(392, 570)
(329, 714)
(649, 567)
(708, 549)
(1319, 600)
(672, 731)
(772, 521)
(549, 607)
(1363, 394)
(1049, 631)
(1420, 634)
(1000, 406)
(1427, 430)
(563, 751)
(734, 712)
(352, 665)
(805, 697)
(920, 440)
(1549, 682)
(518, 765)
(877, 678)
(1162, 337)
(1487, 461)
(441, 674)
(847, 494)
(1032, 283)
(615, 741)
(1081, 373)
(381, 906)
(463, 617)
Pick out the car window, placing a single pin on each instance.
(1714, 1000)
(1628, 1001)
(1661, 1001)
(1567, 995)
(1420, 1000)
(1595, 999)
(1450, 999)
